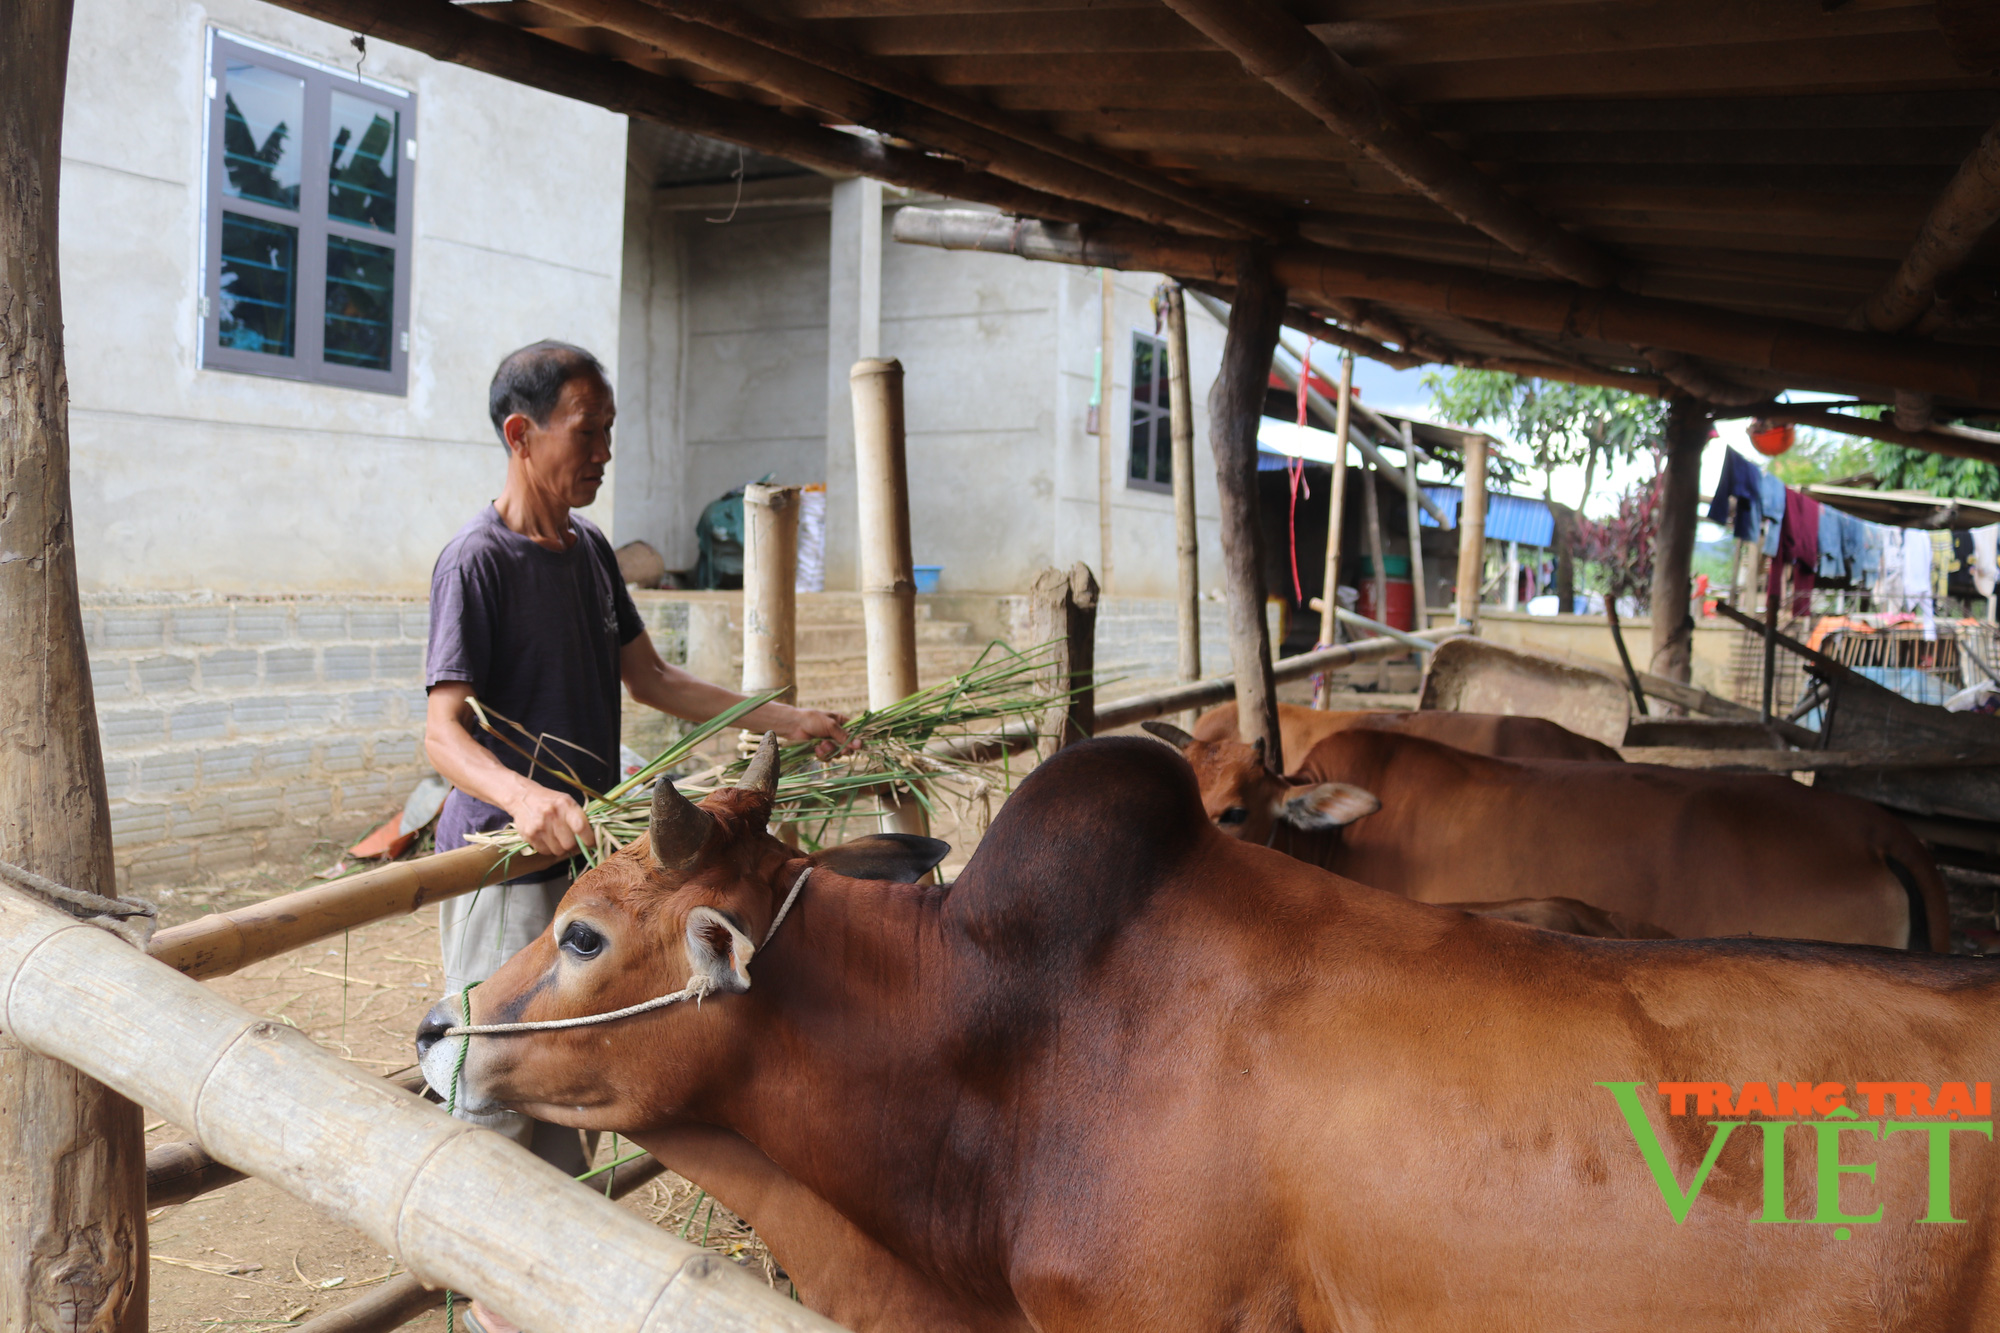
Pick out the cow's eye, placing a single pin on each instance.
(1235, 814)
(582, 940)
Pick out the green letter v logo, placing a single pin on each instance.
(1677, 1202)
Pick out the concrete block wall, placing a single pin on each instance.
(240, 732)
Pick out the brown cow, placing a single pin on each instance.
(1482, 733)
(1698, 853)
(1128, 1074)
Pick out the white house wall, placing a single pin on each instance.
(204, 479)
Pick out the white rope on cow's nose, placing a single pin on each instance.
(700, 986)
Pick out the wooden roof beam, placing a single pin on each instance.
(739, 21)
(1934, 441)
(443, 31)
(1313, 274)
(855, 103)
(1285, 53)
(1962, 216)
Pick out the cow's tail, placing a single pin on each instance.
(1930, 910)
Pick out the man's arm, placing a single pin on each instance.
(551, 822)
(659, 684)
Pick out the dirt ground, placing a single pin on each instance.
(250, 1256)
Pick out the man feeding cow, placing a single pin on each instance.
(530, 617)
(1130, 1074)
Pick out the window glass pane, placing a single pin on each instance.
(360, 302)
(259, 287)
(1163, 449)
(262, 112)
(362, 178)
(1142, 370)
(1142, 444)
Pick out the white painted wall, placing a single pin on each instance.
(205, 479)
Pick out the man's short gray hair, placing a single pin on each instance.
(530, 381)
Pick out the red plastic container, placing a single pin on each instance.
(1402, 604)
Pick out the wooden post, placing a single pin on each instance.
(888, 584)
(1771, 596)
(1371, 509)
(1417, 598)
(1187, 541)
(770, 589)
(1673, 543)
(1235, 404)
(1472, 533)
(1329, 596)
(1062, 610)
(72, 1157)
(1107, 471)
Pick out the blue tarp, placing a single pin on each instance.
(1509, 518)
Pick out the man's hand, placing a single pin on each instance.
(806, 724)
(552, 823)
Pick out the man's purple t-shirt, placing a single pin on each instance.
(536, 633)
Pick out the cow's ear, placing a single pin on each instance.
(718, 953)
(1326, 805)
(904, 858)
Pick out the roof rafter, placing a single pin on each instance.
(1957, 222)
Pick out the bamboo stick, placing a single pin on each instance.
(770, 589)
(216, 945)
(1779, 346)
(1472, 534)
(1187, 541)
(266, 1100)
(1062, 608)
(888, 581)
(1335, 516)
(1221, 689)
(1371, 511)
(1419, 602)
(72, 1153)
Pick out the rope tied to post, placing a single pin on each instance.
(696, 989)
(131, 919)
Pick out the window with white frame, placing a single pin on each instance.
(308, 248)
(1152, 465)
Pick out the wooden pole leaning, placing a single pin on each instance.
(1472, 534)
(265, 1100)
(888, 581)
(216, 945)
(1187, 540)
(72, 1157)
(1235, 405)
(1062, 611)
(1378, 557)
(1329, 597)
(1419, 603)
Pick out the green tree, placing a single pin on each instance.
(1551, 424)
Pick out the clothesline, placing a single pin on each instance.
(1903, 569)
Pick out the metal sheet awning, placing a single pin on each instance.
(1509, 518)
(1907, 509)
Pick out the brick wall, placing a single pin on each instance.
(240, 732)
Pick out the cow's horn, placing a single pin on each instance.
(762, 775)
(1169, 733)
(679, 828)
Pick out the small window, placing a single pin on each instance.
(1152, 466)
(308, 221)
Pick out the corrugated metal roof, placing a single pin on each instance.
(1509, 518)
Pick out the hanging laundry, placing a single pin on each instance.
(1832, 564)
(1985, 569)
(1798, 550)
(1773, 502)
(1742, 481)
(1941, 564)
(1868, 563)
(1958, 579)
(1917, 579)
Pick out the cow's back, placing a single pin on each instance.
(1496, 734)
(1698, 854)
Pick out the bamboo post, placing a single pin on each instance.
(1329, 631)
(1235, 404)
(1673, 544)
(1106, 470)
(1062, 611)
(72, 1157)
(888, 583)
(1371, 509)
(1187, 542)
(770, 589)
(1417, 598)
(1472, 534)
(460, 1207)
(1777, 579)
